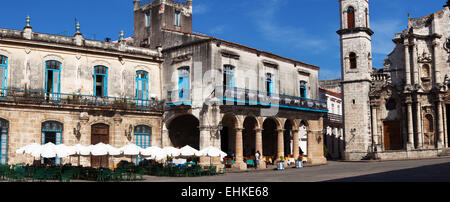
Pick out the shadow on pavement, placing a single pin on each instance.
(430, 173)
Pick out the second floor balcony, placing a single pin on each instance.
(179, 97)
(63, 99)
(248, 97)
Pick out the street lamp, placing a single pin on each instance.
(128, 133)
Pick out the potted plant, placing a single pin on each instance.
(280, 164)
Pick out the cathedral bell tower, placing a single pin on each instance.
(356, 65)
(151, 18)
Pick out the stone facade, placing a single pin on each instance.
(404, 104)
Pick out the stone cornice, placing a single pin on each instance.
(355, 30)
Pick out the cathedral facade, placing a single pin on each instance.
(400, 111)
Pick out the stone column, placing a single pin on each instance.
(407, 63)
(436, 55)
(259, 146)
(280, 150)
(415, 68)
(204, 142)
(296, 144)
(444, 115)
(239, 150)
(419, 125)
(374, 127)
(440, 142)
(410, 145)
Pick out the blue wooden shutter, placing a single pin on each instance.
(3, 75)
(58, 142)
(184, 84)
(3, 143)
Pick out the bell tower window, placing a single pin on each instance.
(351, 17)
(352, 58)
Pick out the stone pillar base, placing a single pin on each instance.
(317, 161)
(240, 165)
(262, 165)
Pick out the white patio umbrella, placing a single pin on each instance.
(81, 150)
(213, 152)
(188, 151)
(26, 149)
(48, 150)
(172, 151)
(131, 150)
(64, 151)
(155, 153)
(99, 149)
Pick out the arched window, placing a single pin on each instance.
(352, 58)
(100, 81)
(142, 88)
(4, 126)
(53, 80)
(142, 136)
(51, 131)
(350, 17)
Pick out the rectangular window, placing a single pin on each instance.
(269, 84)
(100, 81)
(147, 19)
(142, 88)
(303, 92)
(184, 83)
(3, 141)
(3, 75)
(177, 18)
(52, 80)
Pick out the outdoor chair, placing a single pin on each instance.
(140, 172)
(117, 174)
(52, 174)
(40, 175)
(106, 174)
(67, 175)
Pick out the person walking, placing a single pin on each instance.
(257, 159)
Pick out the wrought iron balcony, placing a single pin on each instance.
(179, 97)
(333, 118)
(45, 98)
(247, 97)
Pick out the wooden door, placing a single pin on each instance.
(392, 135)
(99, 134)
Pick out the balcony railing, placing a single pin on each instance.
(179, 97)
(232, 95)
(42, 97)
(335, 118)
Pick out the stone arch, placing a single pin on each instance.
(229, 123)
(184, 129)
(303, 130)
(270, 127)
(250, 126)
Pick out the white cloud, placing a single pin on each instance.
(199, 9)
(272, 30)
(218, 29)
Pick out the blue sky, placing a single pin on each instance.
(304, 30)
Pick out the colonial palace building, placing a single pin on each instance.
(166, 86)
